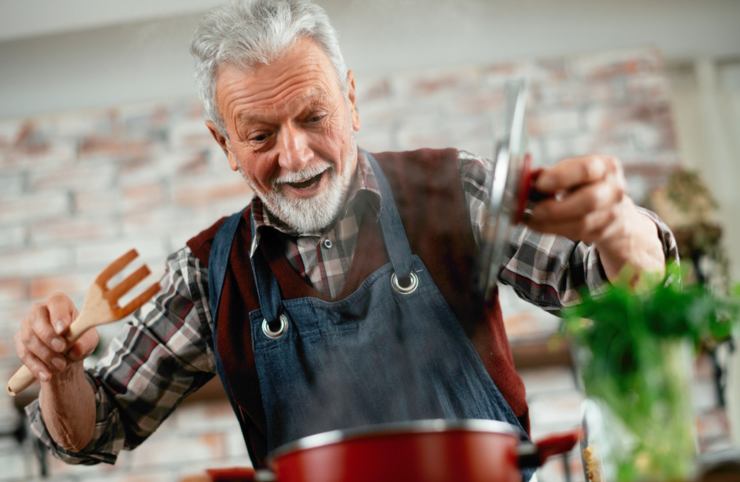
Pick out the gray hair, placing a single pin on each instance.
(246, 33)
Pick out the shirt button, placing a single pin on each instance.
(328, 244)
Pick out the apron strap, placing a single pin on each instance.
(268, 290)
(218, 261)
(394, 234)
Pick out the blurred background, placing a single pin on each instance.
(103, 148)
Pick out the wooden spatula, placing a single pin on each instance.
(100, 307)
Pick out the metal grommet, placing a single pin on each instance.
(413, 283)
(328, 244)
(279, 331)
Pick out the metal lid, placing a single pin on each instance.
(395, 428)
(503, 190)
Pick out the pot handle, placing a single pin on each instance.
(240, 474)
(533, 455)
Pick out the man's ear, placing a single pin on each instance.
(221, 139)
(351, 95)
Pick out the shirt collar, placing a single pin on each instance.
(364, 186)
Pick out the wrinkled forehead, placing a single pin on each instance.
(301, 76)
(294, 103)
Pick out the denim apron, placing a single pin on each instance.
(390, 351)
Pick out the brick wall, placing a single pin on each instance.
(78, 189)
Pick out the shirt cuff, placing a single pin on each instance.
(104, 446)
(665, 235)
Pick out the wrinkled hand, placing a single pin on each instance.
(41, 344)
(589, 204)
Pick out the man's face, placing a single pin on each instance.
(290, 133)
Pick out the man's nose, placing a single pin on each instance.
(294, 150)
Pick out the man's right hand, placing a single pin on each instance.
(41, 340)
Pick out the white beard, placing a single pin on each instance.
(310, 215)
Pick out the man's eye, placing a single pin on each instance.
(313, 118)
(259, 138)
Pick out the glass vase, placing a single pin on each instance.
(639, 425)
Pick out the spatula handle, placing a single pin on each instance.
(23, 378)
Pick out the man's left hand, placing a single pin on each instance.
(589, 204)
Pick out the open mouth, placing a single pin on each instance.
(311, 181)
(305, 184)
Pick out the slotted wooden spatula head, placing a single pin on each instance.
(102, 301)
(113, 295)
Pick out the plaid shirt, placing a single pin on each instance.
(165, 351)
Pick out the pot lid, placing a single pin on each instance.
(506, 191)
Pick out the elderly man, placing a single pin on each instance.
(342, 294)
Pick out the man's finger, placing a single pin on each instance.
(573, 172)
(61, 312)
(587, 229)
(37, 367)
(579, 203)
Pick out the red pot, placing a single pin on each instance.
(424, 450)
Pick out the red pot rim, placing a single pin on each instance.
(428, 426)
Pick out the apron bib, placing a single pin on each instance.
(390, 351)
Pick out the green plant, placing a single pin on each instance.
(630, 340)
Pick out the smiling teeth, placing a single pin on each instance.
(302, 176)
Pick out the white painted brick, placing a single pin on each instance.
(217, 160)
(96, 203)
(544, 381)
(11, 315)
(651, 88)
(16, 463)
(430, 131)
(376, 139)
(372, 89)
(11, 183)
(235, 445)
(96, 255)
(524, 320)
(615, 62)
(212, 416)
(59, 470)
(59, 153)
(554, 122)
(69, 230)
(555, 412)
(31, 262)
(553, 470)
(73, 282)
(144, 196)
(500, 74)
(558, 148)
(160, 165)
(34, 207)
(168, 448)
(9, 130)
(189, 133)
(83, 175)
(12, 237)
(198, 192)
(73, 125)
(153, 221)
(430, 83)
(380, 114)
(161, 475)
(12, 290)
(638, 188)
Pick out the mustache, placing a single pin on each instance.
(302, 175)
